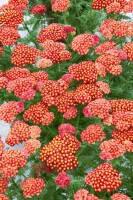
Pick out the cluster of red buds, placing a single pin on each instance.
(63, 180)
(3, 184)
(38, 9)
(8, 36)
(119, 196)
(128, 49)
(3, 197)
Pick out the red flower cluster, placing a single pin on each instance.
(70, 113)
(66, 129)
(31, 146)
(8, 36)
(11, 18)
(55, 51)
(111, 149)
(18, 4)
(69, 29)
(3, 197)
(128, 49)
(21, 131)
(105, 46)
(3, 184)
(83, 42)
(98, 107)
(121, 105)
(108, 63)
(93, 134)
(39, 114)
(59, 153)
(122, 136)
(53, 32)
(44, 63)
(11, 161)
(16, 73)
(111, 27)
(52, 89)
(119, 196)
(23, 55)
(111, 5)
(32, 187)
(104, 177)
(3, 82)
(8, 111)
(60, 5)
(84, 93)
(104, 87)
(62, 180)
(84, 71)
(83, 194)
(38, 9)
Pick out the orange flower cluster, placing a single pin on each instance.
(104, 177)
(52, 89)
(38, 9)
(83, 194)
(18, 4)
(8, 36)
(108, 63)
(93, 134)
(122, 136)
(113, 6)
(3, 197)
(84, 93)
(3, 82)
(55, 51)
(71, 113)
(44, 63)
(66, 129)
(16, 72)
(32, 145)
(32, 187)
(8, 111)
(20, 132)
(105, 46)
(83, 42)
(59, 153)
(60, 5)
(39, 114)
(23, 55)
(62, 180)
(128, 49)
(121, 105)
(119, 196)
(122, 120)
(98, 107)
(3, 184)
(11, 18)
(111, 149)
(53, 32)
(84, 71)
(111, 27)
(10, 162)
(65, 101)
(104, 87)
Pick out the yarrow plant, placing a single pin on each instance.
(66, 91)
